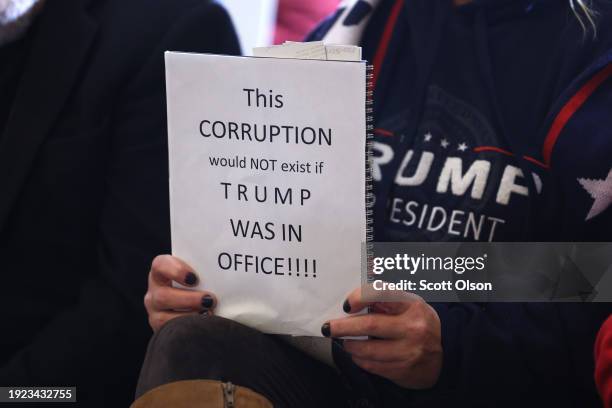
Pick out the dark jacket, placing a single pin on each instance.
(83, 181)
(516, 99)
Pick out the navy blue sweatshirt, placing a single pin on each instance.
(494, 123)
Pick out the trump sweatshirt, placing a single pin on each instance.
(493, 122)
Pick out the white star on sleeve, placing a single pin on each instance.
(444, 143)
(600, 191)
(462, 147)
(428, 137)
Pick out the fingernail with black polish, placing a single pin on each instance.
(326, 329)
(207, 302)
(191, 279)
(346, 306)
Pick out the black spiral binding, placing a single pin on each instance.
(369, 195)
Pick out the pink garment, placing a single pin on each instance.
(297, 17)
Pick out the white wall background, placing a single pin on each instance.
(254, 21)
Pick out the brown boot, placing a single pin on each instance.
(201, 393)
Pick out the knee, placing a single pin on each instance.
(187, 336)
(184, 348)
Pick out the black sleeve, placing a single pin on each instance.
(517, 354)
(98, 345)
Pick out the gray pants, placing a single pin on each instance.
(199, 347)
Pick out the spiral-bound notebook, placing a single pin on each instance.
(269, 179)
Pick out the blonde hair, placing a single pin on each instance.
(586, 14)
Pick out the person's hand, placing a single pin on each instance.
(405, 340)
(163, 302)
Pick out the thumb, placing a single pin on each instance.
(399, 301)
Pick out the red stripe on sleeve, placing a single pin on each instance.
(492, 149)
(383, 47)
(603, 363)
(383, 132)
(570, 108)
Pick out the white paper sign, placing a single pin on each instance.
(267, 184)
